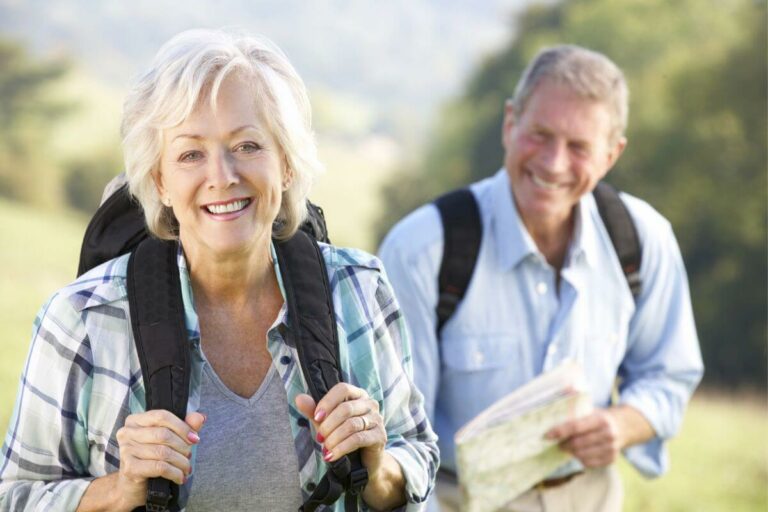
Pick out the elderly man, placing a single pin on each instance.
(547, 286)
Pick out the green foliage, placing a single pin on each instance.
(697, 145)
(27, 112)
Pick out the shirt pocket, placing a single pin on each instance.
(480, 352)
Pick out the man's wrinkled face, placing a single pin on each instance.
(556, 151)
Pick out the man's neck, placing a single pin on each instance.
(552, 237)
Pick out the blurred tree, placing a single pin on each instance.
(697, 145)
(85, 178)
(27, 110)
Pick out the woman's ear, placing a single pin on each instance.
(157, 177)
(287, 175)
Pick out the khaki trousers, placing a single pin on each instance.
(596, 490)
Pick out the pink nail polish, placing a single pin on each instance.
(193, 438)
(320, 438)
(319, 415)
(328, 455)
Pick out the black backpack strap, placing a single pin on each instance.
(621, 228)
(312, 328)
(116, 228)
(462, 234)
(159, 331)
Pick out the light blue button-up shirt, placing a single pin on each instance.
(514, 324)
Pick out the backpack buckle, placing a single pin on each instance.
(447, 303)
(358, 479)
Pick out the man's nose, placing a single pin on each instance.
(554, 157)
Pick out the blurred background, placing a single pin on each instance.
(407, 99)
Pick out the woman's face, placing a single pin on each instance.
(223, 174)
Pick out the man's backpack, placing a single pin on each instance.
(157, 321)
(463, 233)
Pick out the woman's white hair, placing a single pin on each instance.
(584, 72)
(190, 69)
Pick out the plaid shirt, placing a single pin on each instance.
(83, 377)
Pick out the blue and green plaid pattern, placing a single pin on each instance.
(82, 379)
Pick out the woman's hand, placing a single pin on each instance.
(154, 444)
(347, 419)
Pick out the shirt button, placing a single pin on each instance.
(541, 288)
(285, 359)
(552, 350)
(311, 486)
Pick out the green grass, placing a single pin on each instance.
(38, 255)
(719, 460)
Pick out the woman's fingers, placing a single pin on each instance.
(157, 436)
(354, 433)
(137, 469)
(159, 452)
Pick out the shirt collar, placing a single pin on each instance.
(583, 244)
(513, 242)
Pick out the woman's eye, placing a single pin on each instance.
(190, 156)
(247, 147)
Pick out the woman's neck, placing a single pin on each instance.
(234, 279)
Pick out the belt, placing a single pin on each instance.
(551, 483)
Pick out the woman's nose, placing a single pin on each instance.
(222, 172)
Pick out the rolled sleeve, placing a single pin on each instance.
(61, 495)
(411, 440)
(663, 363)
(46, 449)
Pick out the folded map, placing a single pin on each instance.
(502, 452)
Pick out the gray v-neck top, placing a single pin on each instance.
(245, 460)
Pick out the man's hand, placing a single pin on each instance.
(597, 439)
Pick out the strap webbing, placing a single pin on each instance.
(312, 329)
(462, 234)
(157, 320)
(623, 233)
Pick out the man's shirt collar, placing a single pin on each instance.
(514, 242)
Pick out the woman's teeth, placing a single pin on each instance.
(234, 206)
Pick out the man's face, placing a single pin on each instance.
(556, 152)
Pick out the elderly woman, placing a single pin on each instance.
(219, 152)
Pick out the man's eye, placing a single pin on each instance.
(190, 156)
(247, 147)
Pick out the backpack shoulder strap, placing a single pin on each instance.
(159, 332)
(312, 328)
(462, 234)
(621, 228)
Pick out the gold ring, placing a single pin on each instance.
(365, 422)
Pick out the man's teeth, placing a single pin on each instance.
(544, 184)
(234, 206)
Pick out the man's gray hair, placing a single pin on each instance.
(190, 69)
(588, 74)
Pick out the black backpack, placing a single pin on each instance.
(463, 232)
(157, 321)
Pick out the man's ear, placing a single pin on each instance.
(508, 124)
(614, 153)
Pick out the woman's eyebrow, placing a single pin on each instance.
(231, 133)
